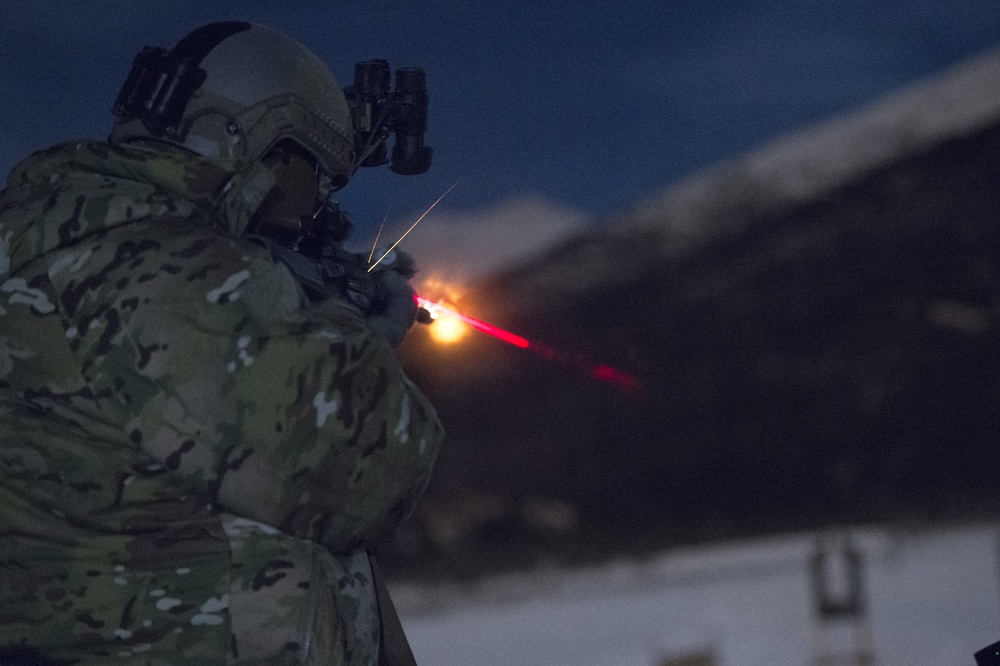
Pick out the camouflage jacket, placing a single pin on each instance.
(193, 457)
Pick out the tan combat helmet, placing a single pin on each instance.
(235, 90)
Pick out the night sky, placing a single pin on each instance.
(585, 106)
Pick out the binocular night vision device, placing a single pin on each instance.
(376, 112)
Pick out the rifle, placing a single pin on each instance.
(325, 269)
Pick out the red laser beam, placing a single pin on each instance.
(478, 324)
(604, 373)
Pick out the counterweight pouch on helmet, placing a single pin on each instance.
(158, 89)
(161, 83)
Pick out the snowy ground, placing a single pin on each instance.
(933, 598)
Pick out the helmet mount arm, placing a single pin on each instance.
(372, 153)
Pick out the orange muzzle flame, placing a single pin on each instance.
(478, 324)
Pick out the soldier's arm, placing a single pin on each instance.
(290, 414)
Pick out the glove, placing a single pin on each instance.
(396, 310)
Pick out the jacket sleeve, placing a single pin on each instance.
(285, 412)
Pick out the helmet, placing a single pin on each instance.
(235, 90)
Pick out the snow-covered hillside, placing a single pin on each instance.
(931, 598)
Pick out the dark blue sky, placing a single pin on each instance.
(592, 103)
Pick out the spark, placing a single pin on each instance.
(378, 235)
(412, 227)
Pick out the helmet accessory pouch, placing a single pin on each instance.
(158, 89)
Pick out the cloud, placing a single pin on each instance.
(458, 247)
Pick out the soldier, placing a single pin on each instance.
(195, 456)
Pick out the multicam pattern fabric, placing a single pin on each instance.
(193, 458)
